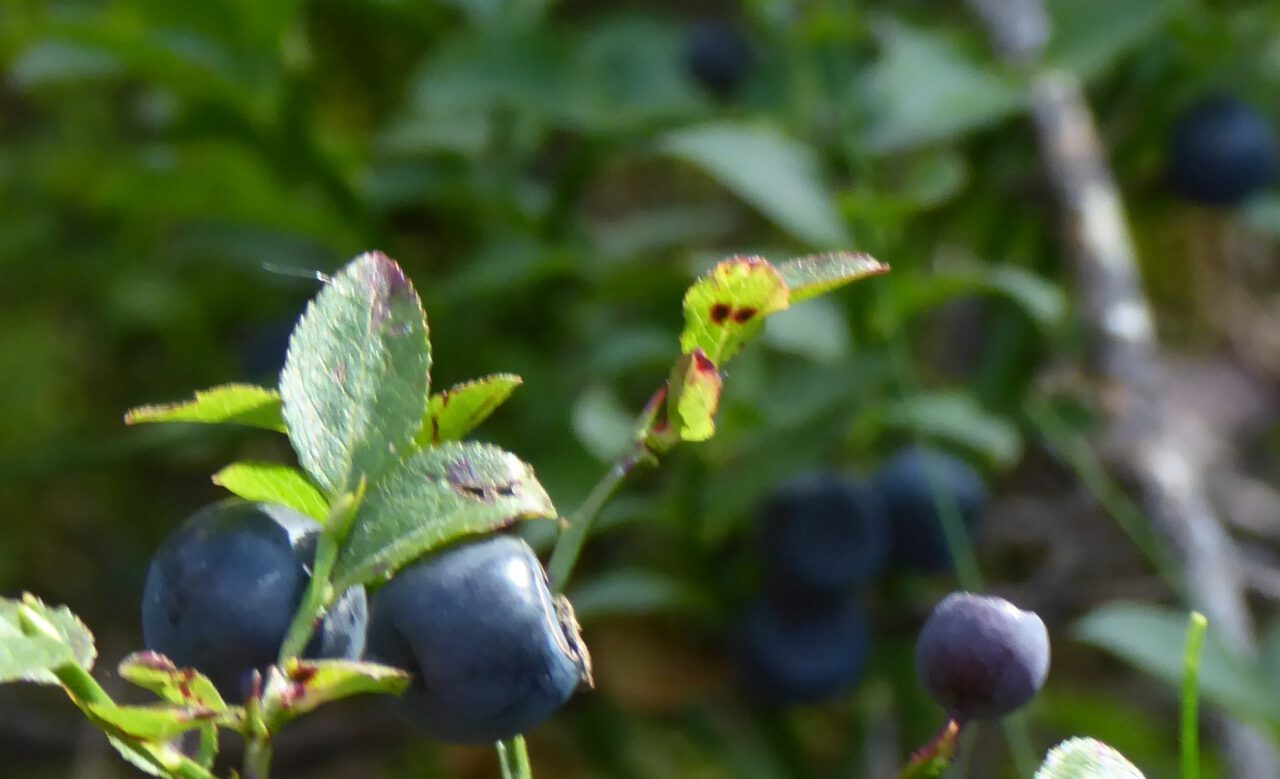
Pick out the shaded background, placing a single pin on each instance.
(173, 175)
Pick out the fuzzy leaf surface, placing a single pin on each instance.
(458, 410)
(817, 274)
(1086, 758)
(268, 482)
(356, 374)
(726, 308)
(233, 404)
(439, 494)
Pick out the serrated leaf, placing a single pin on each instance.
(776, 174)
(693, 395)
(157, 723)
(307, 684)
(233, 404)
(274, 483)
(727, 307)
(29, 655)
(458, 410)
(817, 274)
(439, 494)
(1152, 637)
(356, 374)
(1085, 758)
(183, 686)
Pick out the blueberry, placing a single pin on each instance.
(783, 657)
(823, 533)
(1222, 151)
(914, 485)
(491, 651)
(981, 656)
(719, 55)
(223, 588)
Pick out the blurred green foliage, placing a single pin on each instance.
(173, 177)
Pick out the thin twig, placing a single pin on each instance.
(1169, 476)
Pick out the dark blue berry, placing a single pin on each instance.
(916, 485)
(822, 532)
(1222, 151)
(981, 656)
(719, 55)
(783, 657)
(492, 653)
(223, 588)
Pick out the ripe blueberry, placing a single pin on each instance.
(223, 588)
(784, 657)
(1222, 151)
(914, 485)
(981, 656)
(492, 653)
(718, 55)
(823, 533)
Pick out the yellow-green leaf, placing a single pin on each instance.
(235, 404)
(458, 410)
(274, 483)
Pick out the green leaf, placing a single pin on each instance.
(458, 410)
(636, 591)
(727, 307)
(1090, 35)
(182, 686)
(777, 175)
(818, 331)
(693, 394)
(236, 404)
(274, 483)
(35, 639)
(1043, 301)
(926, 89)
(954, 416)
(602, 423)
(439, 494)
(817, 274)
(1152, 637)
(150, 723)
(1085, 758)
(356, 374)
(307, 684)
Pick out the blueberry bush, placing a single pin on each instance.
(429, 541)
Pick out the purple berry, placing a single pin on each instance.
(981, 656)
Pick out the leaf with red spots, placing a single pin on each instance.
(439, 494)
(233, 404)
(458, 410)
(727, 307)
(693, 396)
(932, 761)
(183, 686)
(356, 374)
(303, 685)
(817, 274)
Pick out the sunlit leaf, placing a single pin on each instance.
(238, 404)
(727, 307)
(267, 482)
(458, 410)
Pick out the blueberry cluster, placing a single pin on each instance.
(1222, 150)
(824, 538)
(491, 651)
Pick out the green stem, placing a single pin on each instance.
(569, 545)
(257, 759)
(1196, 626)
(513, 756)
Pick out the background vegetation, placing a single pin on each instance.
(173, 176)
